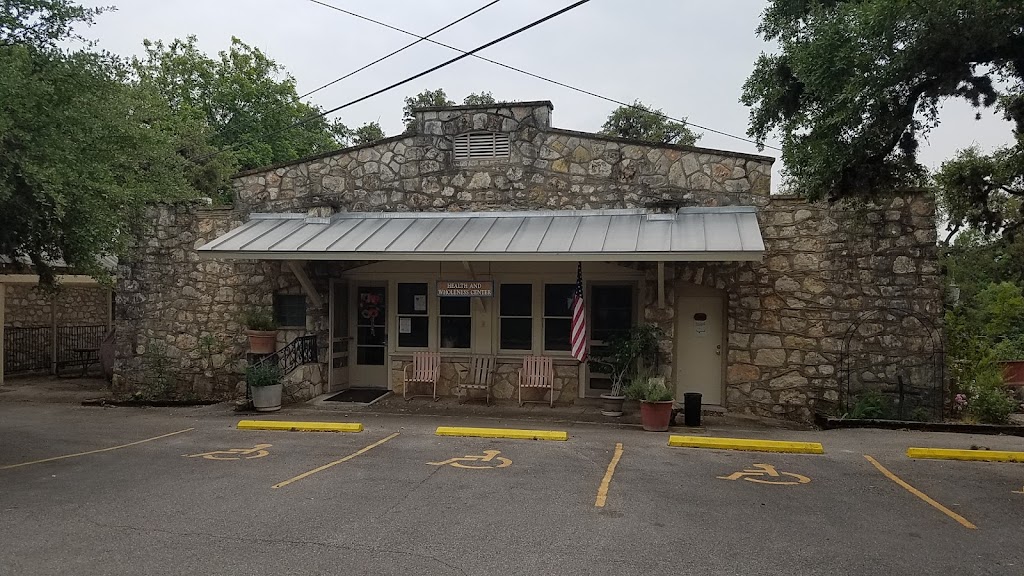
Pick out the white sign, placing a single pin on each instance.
(405, 325)
(419, 302)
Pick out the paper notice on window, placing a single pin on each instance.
(419, 302)
(405, 325)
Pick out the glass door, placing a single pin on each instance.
(339, 335)
(371, 343)
(610, 312)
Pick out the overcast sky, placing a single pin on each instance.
(687, 57)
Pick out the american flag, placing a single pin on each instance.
(579, 318)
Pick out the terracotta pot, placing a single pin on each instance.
(611, 405)
(656, 416)
(262, 342)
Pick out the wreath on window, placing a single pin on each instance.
(369, 308)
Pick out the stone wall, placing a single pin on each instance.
(506, 379)
(28, 305)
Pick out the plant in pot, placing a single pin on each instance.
(261, 329)
(655, 402)
(264, 379)
(621, 356)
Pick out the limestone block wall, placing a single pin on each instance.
(28, 305)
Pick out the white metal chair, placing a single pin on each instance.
(479, 375)
(426, 369)
(537, 372)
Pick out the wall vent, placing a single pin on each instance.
(481, 146)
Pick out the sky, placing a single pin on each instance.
(687, 57)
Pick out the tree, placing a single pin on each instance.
(367, 133)
(425, 99)
(246, 99)
(857, 84)
(81, 150)
(640, 122)
(481, 99)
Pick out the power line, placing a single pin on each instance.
(401, 82)
(409, 45)
(539, 77)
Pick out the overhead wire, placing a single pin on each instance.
(400, 82)
(539, 77)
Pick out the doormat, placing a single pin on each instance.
(360, 395)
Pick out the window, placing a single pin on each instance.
(456, 322)
(611, 310)
(413, 319)
(515, 311)
(481, 145)
(558, 316)
(290, 310)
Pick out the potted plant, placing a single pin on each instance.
(621, 356)
(655, 402)
(264, 380)
(261, 329)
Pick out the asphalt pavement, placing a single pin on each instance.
(90, 491)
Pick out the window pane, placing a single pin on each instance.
(557, 333)
(516, 333)
(611, 310)
(456, 332)
(558, 299)
(455, 306)
(290, 309)
(376, 336)
(370, 355)
(516, 300)
(418, 337)
(412, 298)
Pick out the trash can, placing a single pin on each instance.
(691, 408)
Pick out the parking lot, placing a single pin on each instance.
(173, 491)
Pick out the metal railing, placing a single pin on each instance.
(302, 350)
(31, 348)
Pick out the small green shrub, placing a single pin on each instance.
(263, 375)
(872, 404)
(258, 319)
(649, 390)
(991, 405)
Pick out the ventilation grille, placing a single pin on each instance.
(480, 145)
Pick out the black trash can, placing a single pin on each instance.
(691, 408)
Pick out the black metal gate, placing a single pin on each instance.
(893, 367)
(30, 349)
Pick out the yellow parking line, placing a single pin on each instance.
(746, 444)
(602, 492)
(963, 521)
(300, 426)
(972, 455)
(335, 463)
(502, 433)
(94, 451)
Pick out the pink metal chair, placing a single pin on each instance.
(479, 375)
(537, 372)
(426, 369)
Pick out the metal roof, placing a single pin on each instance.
(728, 233)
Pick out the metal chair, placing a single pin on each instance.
(479, 375)
(537, 372)
(426, 369)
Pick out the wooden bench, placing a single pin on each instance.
(426, 369)
(537, 372)
(479, 375)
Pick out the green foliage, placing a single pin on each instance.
(42, 23)
(367, 133)
(627, 353)
(263, 374)
(650, 389)
(857, 83)
(640, 122)
(425, 99)
(872, 404)
(481, 99)
(245, 99)
(157, 384)
(258, 319)
(991, 405)
(984, 191)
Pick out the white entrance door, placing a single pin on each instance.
(699, 345)
(339, 335)
(370, 370)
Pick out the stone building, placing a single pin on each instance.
(761, 298)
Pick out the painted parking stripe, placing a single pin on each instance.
(602, 490)
(300, 426)
(746, 444)
(502, 433)
(971, 455)
(94, 451)
(336, 462)
(963, 521)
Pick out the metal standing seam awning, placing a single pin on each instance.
(721, 234)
